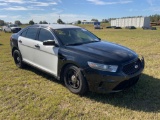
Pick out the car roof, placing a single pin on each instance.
(57, 26)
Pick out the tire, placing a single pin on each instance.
(74, 80)
(18, 59)
(4, 30)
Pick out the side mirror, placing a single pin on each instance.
(49, 43)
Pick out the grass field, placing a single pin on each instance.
(31, 94)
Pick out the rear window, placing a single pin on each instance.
(31, 33)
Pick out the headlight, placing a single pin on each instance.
(102, 67)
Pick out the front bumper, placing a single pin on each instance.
(105, 82)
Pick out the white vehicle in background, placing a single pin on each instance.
(11, 28)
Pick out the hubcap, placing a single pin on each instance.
(72, 79)
(18, 59)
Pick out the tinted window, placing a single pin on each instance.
(45, 35)
(31, 33)
(24, 33)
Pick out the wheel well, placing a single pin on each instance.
(14, 50)
(62, 71)
(63, 68)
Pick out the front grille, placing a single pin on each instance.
(132, 68)
(127, 83)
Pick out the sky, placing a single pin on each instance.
(73, 10)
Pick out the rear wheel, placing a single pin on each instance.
(74, 80)
(4, 30)
(18, 59)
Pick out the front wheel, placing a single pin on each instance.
(18, 59)
(74, 80)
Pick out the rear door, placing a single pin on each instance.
(26, 44)
(46, 57)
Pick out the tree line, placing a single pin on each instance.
(153, 18)
(31, 22)
(59, 21)
(2, 22)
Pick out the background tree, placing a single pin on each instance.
(40, 22)
(155, 18)
(44, 22)
(31, 22)
(105, 21)
(95, 20)
(59, 21)
(17, 22)
(78, 22)
(2, 22)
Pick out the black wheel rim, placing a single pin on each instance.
(72, 79)
(17, 59)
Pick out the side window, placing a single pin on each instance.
(45, 35)
(23, 34)
(31, 33)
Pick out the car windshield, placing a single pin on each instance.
(13, 25)
(75, 36)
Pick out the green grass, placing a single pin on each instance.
(31, 94)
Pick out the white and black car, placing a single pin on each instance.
(73, 54)
(11, 28)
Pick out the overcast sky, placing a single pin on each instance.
(73, 10)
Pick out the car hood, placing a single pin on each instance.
(105, 52)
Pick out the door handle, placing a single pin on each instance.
(20, 41)
(37, 46)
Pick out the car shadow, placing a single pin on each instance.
(144, 96)
(1, 44)
(43, 74)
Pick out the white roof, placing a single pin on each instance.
(59, 26)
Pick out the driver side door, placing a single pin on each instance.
(46, 57)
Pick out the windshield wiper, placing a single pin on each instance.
(74, 44)
(91, 42)
(80, 43)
